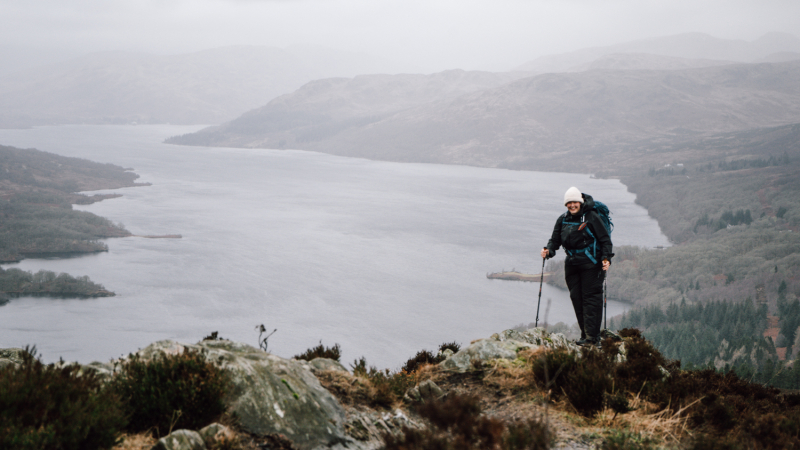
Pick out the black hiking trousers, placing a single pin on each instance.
(585, 283)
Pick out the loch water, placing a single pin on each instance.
(382, 258)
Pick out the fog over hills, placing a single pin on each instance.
(524, 123)
(688, 45)
(210, 86)
(323, 108)
(647, 61)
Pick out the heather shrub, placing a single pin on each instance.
(626, 440)
(385, 387)
(421, 358)
(426, 357)
(454, 346)
(550, 369)
(527, 435)
(585, 379)
(320, 351)
(171, 392)
(588, 381)
(456, 423)
(51, 407)
(642, 366)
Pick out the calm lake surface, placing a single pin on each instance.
(383, 258)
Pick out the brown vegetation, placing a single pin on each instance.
(592, 398)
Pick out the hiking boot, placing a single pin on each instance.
(581, 342)
(591, 342)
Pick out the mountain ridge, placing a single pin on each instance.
(536, 120)
(685, 45)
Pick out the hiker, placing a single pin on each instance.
(587, 243)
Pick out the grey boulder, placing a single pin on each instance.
(181, 440)
(504, 345)
(325, 364)
(216, 433)
(424, 392)
(11, 356)
(271, 394)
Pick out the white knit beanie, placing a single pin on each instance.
(573, 195)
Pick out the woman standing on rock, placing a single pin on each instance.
(587, 243)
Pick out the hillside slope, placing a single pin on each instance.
(324, 108)
(531, 123)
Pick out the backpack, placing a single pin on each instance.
(605, 215)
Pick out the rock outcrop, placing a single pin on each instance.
(276, 396)
(181, 440)
(427, 391)
(504, 345)
(10, 356)
(272, 394)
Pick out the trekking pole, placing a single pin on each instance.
(541, 280)
(605, 301)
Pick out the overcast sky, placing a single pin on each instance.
(431, 34)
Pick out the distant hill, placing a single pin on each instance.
(780, 57)
(688, 46)
(646, 61)
(210, 86)
(325, 108)
(534, 122)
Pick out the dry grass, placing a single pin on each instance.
(349, 389)
(509, 377)
(357, 390)
(647, 419)
(428, 372)
(139, 441)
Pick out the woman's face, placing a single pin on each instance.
(573, 207)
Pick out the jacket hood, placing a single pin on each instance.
(588, 203)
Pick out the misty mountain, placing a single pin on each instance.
(210, 86)
(780, 57)
(647, 61)
(688, 45)
(325, 108)
(544, 120)
(17, 58)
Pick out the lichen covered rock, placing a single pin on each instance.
(504, 345)
(271, 394)
(216, 433)
(181, 440)
(11, 357)
(426, 391)
(322, 364)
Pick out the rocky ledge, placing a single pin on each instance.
(278, 396)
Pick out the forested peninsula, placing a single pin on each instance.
(37, 191)
(726, 295)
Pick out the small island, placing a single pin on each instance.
(518, 276)
(18, 283)
(37, 191)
